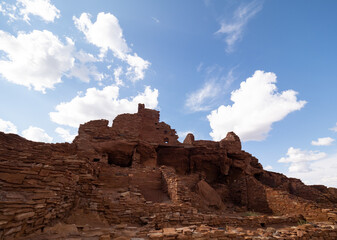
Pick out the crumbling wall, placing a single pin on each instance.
(283, 203)
(146, 126)
(327, 197)
(172, 184)
(39, 183)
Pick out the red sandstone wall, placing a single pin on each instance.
(283, 203)
(38, 184)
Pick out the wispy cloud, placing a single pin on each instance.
(200, 66)
(216, 82)
(207, 2)
(196, 100)
(334, 128)
(233, 28)
(156, 20)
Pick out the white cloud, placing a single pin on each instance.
(37, 59)
(327, 141)
(256, 106)
(137, 67)
(36, 134)
(196, 100)
(83, 68)
(299, 159)
(106, 34)
(41, 8)
(65, 134)
(24, 8)
(7, 127)
(334, 128)
(97, 104)
(216, 82)
(319, 169)
(233, 29)
(268, 168)
(117, 73)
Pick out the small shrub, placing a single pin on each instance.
(301, 222)
(251, 213)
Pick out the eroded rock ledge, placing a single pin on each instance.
(135, 179)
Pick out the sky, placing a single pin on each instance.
(263, 69)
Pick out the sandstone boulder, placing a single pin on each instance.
(209, 195)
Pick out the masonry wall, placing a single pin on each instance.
(38, 184)
(283, 203)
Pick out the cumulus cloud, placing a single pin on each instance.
(65, 134)
(7, 127)
(36, 134)
(35, 60)
(334, 128)
(24, 8)
(98, 104)
(42, 8)
(319, 168)
(256, 106)
(233, 28)
(327, 141)
(39, 60)
(107, 34)
(298, 159)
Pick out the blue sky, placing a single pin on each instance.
(264, 69)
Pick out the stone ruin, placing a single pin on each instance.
(135, 180)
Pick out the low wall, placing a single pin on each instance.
(283, 203)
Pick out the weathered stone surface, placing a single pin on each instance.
(189, 139)
(22, 216)
(209, 195)
(231, 142)
(62, 229)
(12, 178)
